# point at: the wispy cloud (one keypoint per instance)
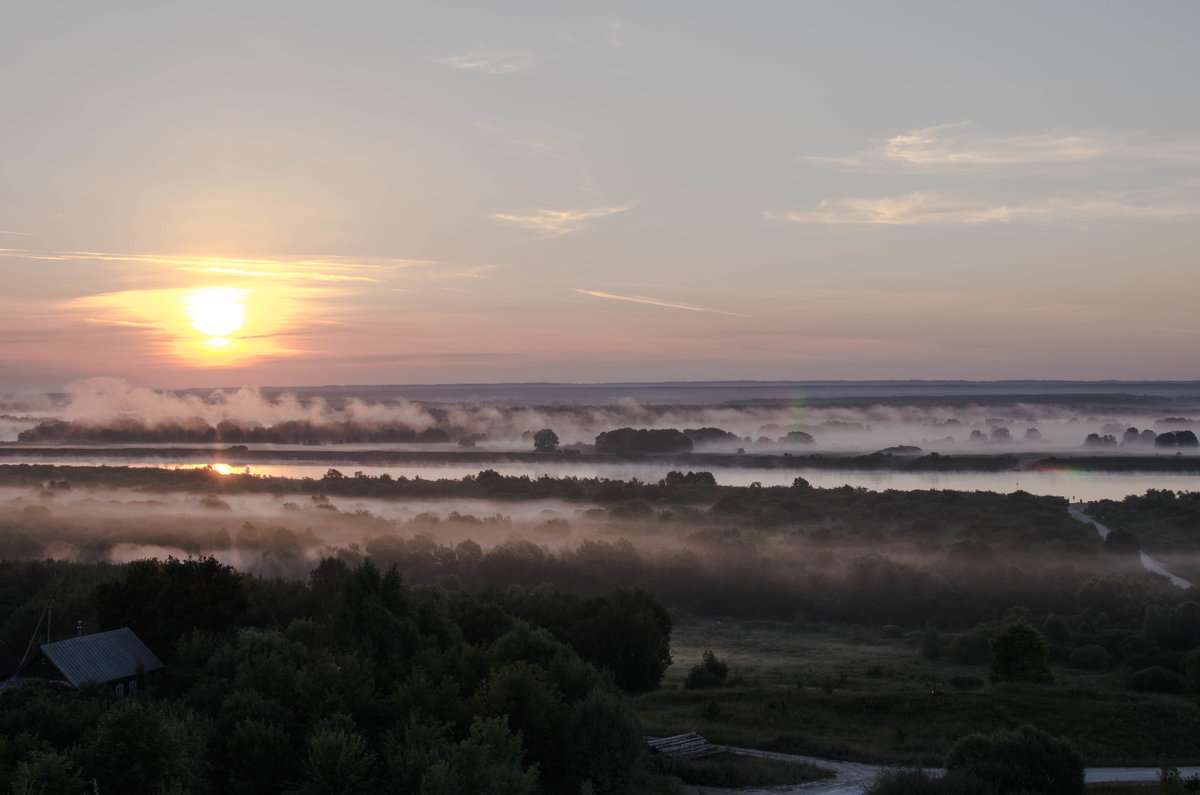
(448, 272)
(496, 62)
(934, 207)
(558, 222)
(114, 322)
(641, 299)
(12, 232)
(295, 275)
(950, 147)
(321, 269)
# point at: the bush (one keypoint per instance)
(972, 648)
(1191, 666)
(710, 673)
(1019, 655)
(1157, 680)
(1026, 759)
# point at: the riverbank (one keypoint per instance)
(339, 455)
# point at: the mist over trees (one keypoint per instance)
(545, 441)
(196, 430)
(634, 441)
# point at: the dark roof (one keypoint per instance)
(101, 658)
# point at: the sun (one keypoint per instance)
(216, 312)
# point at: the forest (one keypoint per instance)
(373, 627)
(349, 681)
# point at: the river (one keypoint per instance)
(1076, 486)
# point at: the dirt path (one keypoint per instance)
(853, 777)
(1148, 563)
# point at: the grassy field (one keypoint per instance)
(851, 694)
(731, 770)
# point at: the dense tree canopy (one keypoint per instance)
(1019, 655)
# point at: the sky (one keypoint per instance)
(286, 193)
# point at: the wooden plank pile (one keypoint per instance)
(683, 746)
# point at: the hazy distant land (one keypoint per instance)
(759, 422)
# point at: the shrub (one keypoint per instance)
(972, 647)
(1026, 759)
(1019, 655)
(709, 673)
(1157, 679)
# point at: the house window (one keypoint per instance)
(132, 687)
(119, 690)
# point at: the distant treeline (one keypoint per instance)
(487, 484)
(622, 441)
(197, 430)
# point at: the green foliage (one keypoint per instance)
(1157, 679)
(47, 772)
(1191, 669)
(134, 749)
(606, 741)
(1170, 781)
(918, 782)
(1091, 657)
(535, 708)
(634, 441)
(1121, 542)
(338, 762)
(163, 602)
(259, 757)
(1019, 655)
(627, 632)
(321, 705)
(422, 757)
(711, 672)
(1055, 629)
(545, 441)
(973, 647)
(1025, 759)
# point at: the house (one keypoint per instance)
(113, 660)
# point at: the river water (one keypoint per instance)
(1077, 486)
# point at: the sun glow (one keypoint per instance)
(216, 311)
(211, 325)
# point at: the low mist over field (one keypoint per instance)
(1035, 416)
(771, 550)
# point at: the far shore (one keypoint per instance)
(880, 461)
